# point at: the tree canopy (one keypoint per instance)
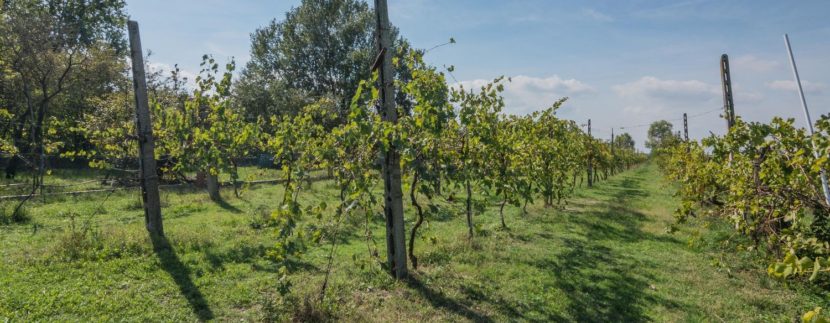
(660, 135)
(322, 48)
(624, 141)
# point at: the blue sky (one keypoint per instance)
(622, 63)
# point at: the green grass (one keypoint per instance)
(72, 180)
(606, 256)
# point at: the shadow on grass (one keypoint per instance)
(255, 256)
(601, 283)
(239, 254)
(439, 300)
(181, 275)
(227, 206)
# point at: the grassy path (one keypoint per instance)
(606, 256)
(615, 261)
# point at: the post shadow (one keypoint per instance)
(227, 206)
(439, 300)
(181, 275)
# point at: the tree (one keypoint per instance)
(625, 152)
(322, 48)
(624, 142)
(209, 133)
(50, 47)
(660, 135)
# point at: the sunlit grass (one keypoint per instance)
(605, 256)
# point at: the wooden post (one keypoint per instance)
(613, 157)
(393, 194)
(590, 154)
(144, 126)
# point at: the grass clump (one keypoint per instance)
(86, 242)
(8, 214)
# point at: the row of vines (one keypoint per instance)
(66, 94)
(765, 179)
(450, 138)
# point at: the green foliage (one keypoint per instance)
(6, 145)
(208, 133)
(56, 55)
(764, 178)
(660, 135)
(321, 49)
(426, 137)
(557, 150)
(815, 316)
(792, 265)
(624, 141)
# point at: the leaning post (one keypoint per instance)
(148, 177)
(822, 173)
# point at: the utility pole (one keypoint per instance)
(685, 128)
(393, 194)
(728, 104)
(590, 155)
(144, 126)
(822, 172)
(726, 81)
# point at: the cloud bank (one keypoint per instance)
(524, 94)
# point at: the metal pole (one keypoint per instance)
(823, 174)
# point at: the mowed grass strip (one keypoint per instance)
(605, 256)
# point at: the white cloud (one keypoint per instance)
(652, 87)
(525, 94)
(746, 94)
(638, 103)
(596, 15)
(755, 64)
(165, 70)
(787, 85)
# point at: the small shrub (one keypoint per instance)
(86, 242)
(260, 218)
(272, 309)
(309, 310)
